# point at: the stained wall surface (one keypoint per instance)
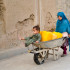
(17, 17)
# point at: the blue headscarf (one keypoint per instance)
(61, 14)
(62, 25)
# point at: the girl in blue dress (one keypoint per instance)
(62, 26)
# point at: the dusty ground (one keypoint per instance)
(25, 62)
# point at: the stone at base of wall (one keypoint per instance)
(12, 52)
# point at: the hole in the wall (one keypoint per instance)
(25, 21)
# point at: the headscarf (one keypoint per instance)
(62, 25)
(61, 14)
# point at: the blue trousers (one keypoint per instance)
(69, 43)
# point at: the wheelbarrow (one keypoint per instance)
(41, 50)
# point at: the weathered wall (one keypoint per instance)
(64, 6)
(68, 9)
(17, 11)
(2, 22)
(48, 14)
(17, 17)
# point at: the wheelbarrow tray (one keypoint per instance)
(51, 43)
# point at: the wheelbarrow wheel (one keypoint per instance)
(38, 59)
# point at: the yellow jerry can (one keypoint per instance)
(46, 36)
(54, 36)
(57, 35)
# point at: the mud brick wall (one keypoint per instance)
(2, 22)
(17, 17)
